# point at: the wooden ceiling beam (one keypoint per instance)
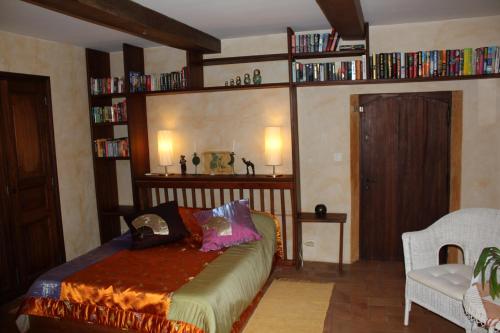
(346, 16)
(132, 18)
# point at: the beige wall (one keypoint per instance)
(65, 64)
(213, 120)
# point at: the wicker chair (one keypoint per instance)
(440, 288)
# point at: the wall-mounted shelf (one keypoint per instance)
(384, 81)
(245, 59)
(335, 54)
(118, 158)
(115, 123)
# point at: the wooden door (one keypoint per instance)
(34, 222)
(405, 162)
(7, 266)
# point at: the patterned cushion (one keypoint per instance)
(187, 215)
(157, 225)
(227, 225)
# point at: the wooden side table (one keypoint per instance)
(339, 218)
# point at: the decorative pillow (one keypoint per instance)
(227, 225)
(157, 225)
(187, 215)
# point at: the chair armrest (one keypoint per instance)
(421, 249)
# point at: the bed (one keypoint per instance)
(170, 288)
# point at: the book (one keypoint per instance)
(329, 71)
(109, 85)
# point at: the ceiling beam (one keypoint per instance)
(346, 16)
(132, 18)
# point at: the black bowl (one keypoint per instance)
(320, 210)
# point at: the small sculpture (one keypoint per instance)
(249, 164)
(231, 161)
(226, 83)
(183, 165)
(196, 160)
(257, 78)
(231, 83)
(246, 79)
(238, 81)
(320, 210)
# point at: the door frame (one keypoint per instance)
(52, 148)
(455, 166)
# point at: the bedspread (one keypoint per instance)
(173, 288)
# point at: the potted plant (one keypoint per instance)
(489, 262)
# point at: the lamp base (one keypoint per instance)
(166, 171)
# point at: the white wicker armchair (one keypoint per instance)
(440, 288)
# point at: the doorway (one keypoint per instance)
(401, 156)
(30, 224)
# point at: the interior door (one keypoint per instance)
(7, 267)
(33, 202)
(405, 157)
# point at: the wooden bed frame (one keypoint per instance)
(265, 193)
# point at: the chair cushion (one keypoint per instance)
(450, 279)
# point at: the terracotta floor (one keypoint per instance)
(368, 298)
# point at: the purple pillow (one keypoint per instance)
(227, 225)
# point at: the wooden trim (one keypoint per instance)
(135, 19)
(355, 175)
(194, 61)
(245, 59)
(384, 81)
(456, 164)
(346, 16)
(456, 149)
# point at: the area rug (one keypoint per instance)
(291, 306)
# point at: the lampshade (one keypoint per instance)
(273, 146)
(165, 147)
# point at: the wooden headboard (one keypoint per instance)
(265, 193)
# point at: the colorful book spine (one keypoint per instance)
(435, 63)
(111, 147)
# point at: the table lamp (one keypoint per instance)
(273, 147)
(165, 149)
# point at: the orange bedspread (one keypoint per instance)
(130, 289)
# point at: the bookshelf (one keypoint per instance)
(105, 175)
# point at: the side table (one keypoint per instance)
(340, 218)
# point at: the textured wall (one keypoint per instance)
(65, 64)
(214, 119)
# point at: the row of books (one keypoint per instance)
(399, 65)
(110, 114)
(111, 147)
(108, 85)
(158, 82)
(330, 71)
(315, 42)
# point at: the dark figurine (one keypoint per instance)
(183, 165)
(320, 210)
(257, 78)
(231, 161)
(196, 160)
(246, 79)
(249, 164)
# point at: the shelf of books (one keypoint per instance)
(303, 46)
